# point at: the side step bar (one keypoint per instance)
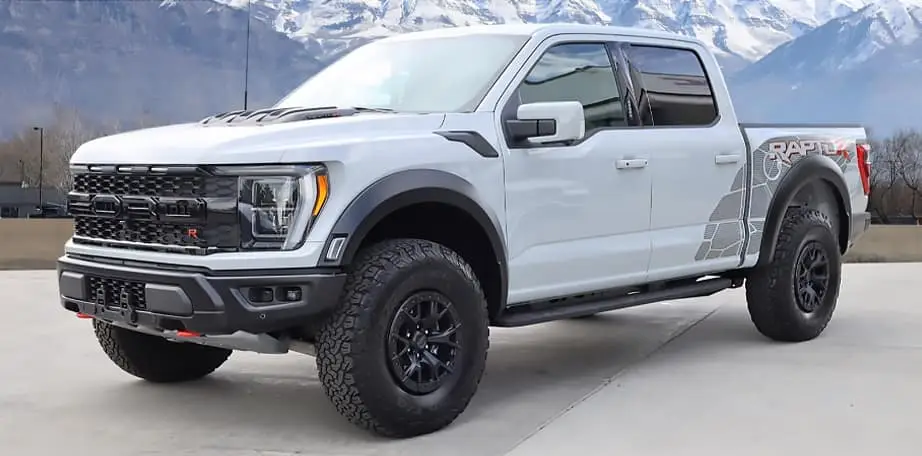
(602, 302)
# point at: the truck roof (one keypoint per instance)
(541, 31)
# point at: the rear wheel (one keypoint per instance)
(792, 299)
(404, 353)
(156, 359)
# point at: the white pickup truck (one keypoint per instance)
(428, 186)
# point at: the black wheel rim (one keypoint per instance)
(811, 277)
(424, 342)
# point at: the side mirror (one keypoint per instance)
(548, 122)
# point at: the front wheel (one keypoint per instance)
(405, 351)
(792, 299)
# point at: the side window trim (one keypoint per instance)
(512, 103)
(637, 85)
(629, 97)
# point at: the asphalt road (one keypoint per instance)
(684, 378)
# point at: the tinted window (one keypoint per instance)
(577, 72)
(673, 87)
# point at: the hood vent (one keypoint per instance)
(274, 116)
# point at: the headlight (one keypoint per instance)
(278, 204)
(273, 202)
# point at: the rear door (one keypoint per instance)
(697, 158)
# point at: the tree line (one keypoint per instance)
(896, 161)
(896, 177)
(43, 152)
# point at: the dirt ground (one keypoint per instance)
(32, 243)
(36, 244)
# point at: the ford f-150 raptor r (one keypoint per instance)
(428, 186)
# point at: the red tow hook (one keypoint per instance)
(83, 316)
(184, 333)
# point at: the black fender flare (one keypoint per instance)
(804, 172)
(403, 189)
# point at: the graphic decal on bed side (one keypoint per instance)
(724, 235)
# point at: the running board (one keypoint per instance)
(593, 303)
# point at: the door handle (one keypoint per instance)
(631, 164)
(723, 159)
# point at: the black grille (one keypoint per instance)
(183, 209)
(141, 231)
(143, 185)
(116, 293)
(183, 186)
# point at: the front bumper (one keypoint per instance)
(200, 301)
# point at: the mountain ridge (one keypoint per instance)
(738, 31)
(180, 60)
(871, 76)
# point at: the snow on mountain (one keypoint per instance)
(738, 31)
(863, 67)
(849, 42)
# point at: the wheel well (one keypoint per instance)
(452, 227)
(823, 196)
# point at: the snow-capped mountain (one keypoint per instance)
(739, 31)
(176, 60)
(863, 67)
(850, 42)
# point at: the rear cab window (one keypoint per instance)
(672, 86)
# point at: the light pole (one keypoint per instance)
(246, 63)
(41, 164)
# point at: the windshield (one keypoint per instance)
(444, 74)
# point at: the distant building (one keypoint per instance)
(19, 202)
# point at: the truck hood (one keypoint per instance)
(217, 141)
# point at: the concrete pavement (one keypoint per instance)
(684, 378)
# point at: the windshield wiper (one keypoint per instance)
(370, 109)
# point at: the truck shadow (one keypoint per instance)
(533, 374)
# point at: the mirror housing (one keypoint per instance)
(548, 122)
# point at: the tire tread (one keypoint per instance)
(770, 306)
(156, 359)
(336, 350)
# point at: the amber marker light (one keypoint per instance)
(323, 191)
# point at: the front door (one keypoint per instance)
(578, 215)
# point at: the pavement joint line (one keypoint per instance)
(627, 369)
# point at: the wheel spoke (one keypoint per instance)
(413, 318)
(435, 362)
(444, 337)
(811, 277)
(818, 262)
(432, 319)
(424, 342)
(419, 373)
(400, 338)
(397, 356)
(414, 366)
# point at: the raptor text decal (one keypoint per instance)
(787, 150)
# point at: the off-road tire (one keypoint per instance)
(156, 359)
(352, 345)
(771, 289)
